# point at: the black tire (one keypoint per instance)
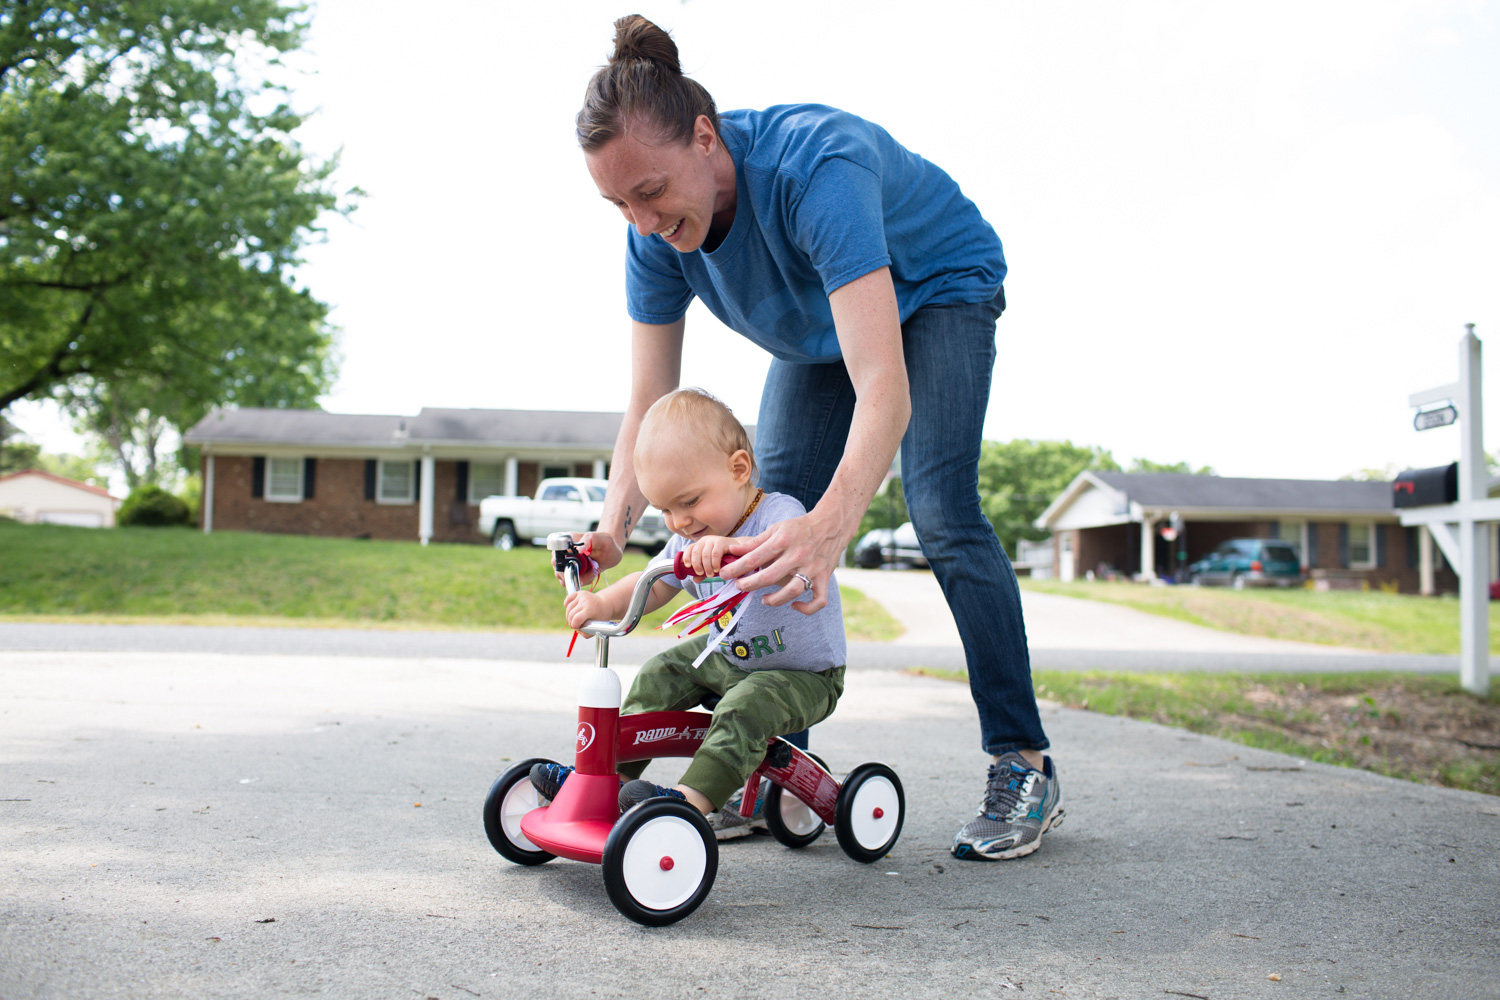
(504, 537)
(650, 843)
(863, 818)
(868, 559)
(788, 819)
(510, 798)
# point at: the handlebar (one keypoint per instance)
(566, 559)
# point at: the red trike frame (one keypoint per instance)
(579, 820)
(660, 857)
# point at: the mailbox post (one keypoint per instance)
(1459, 526)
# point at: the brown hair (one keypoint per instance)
(642, 80)
(704, 417)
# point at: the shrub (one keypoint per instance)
(153, 507)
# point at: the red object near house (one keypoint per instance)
(1495, 590)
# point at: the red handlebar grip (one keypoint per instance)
(682, 571)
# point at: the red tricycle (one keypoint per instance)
(660, 857)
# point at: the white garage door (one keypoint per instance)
(76, 518)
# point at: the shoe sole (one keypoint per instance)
(967, 852)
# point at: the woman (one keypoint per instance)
(875, 284)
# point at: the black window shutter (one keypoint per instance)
(416, 477)
(462, 492)
(309, 477)
(1312, 545)
(258, 477)
(372, 469)
(1344, 546)
(1380, 546)
(1412, 552)
(1275, 530)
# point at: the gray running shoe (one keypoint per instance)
(1020, 804)
(728, 824)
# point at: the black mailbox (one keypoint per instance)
(1424, 487)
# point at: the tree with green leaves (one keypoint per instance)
(153, 206)
(1018, 479)
(18, 454)
(1177, 468)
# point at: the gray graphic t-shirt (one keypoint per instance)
(767, 638)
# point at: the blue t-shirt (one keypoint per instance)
(824, 197)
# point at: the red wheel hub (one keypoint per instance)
(667, 863)
(879, 812)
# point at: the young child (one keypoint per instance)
(776, 671)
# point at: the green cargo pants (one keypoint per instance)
(754, 706)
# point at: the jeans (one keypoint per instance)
(805, 412)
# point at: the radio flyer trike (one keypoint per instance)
(660, 857)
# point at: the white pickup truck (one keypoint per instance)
(560, 505)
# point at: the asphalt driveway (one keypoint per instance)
(211, 825)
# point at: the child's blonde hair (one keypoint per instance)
(702, 414)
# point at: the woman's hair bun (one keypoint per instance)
(642, 87)
(638, 38)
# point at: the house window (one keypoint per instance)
(485, 480)
(284, 480)
(397, 480)
(1291, 531)
(556, 471)
(1361, 545)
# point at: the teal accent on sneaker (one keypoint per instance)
(1020, 804)
(728, 824)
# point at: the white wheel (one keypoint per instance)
(797, 817)
(511, 797)
(660, 862)
(869, 812)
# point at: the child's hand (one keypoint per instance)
(582, 607)
(706, 555)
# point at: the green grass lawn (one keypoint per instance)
(1387, 623)
(168, 575)
(1421, 728)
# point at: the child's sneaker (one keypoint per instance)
(633, 793)
(727, 823)
(548, 779)
(1020, 804)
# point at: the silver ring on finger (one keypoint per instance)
(806, 583)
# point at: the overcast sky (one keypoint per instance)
(1239, 235)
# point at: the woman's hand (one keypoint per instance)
(805, 545)
(582, 607)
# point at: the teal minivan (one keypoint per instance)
(1249, 562)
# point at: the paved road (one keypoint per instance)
(1063, 634)
(209, 825)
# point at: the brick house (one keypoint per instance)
(1347, 533)
(308, 472)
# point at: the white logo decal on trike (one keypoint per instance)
(669, 733)
(585, 736)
